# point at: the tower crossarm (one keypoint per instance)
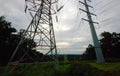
(89, 21)
(85, 4)
(87, 12)
(99, 55)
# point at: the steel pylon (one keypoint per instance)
(40, 29)
(98, 50)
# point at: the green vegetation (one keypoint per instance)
(107, 66)
(10, 38)
(81, 68)
(110, 45)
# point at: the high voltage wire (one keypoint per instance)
(104, 8)
(98, 3)
(89, 19)
(107, 7)
(101, 7)
(76, 15)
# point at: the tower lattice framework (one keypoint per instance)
(41, 28)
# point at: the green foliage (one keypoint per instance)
(89, 54)
(111, 66)
(65, 59)
(81, 69)
(42, 69)
(109, 69)
(110, 44)
(63, 68)
(9, 41)
(76, 68)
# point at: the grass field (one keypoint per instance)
(74, 68)
(111, 66)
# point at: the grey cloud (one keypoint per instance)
(108, 15)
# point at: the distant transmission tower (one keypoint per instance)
(40, 28)
(98, 50)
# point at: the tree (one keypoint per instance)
(5, 34)
(28, 47)
(110, 44)
(9, 41)
(89, 54)
(106, 42)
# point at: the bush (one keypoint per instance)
(78, 69)
(82, 69)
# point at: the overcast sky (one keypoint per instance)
(72, 34)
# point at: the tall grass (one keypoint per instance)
(75, 68)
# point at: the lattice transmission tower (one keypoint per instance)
(40, 29)
(98, 51)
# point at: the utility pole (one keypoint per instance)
(99, 55)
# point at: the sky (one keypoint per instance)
(72, 33)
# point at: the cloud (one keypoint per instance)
(72, 34)
(62, 44)
(108, 12)
(79, 39)
(13, 10)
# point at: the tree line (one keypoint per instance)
(9, 39)
(110, 45)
